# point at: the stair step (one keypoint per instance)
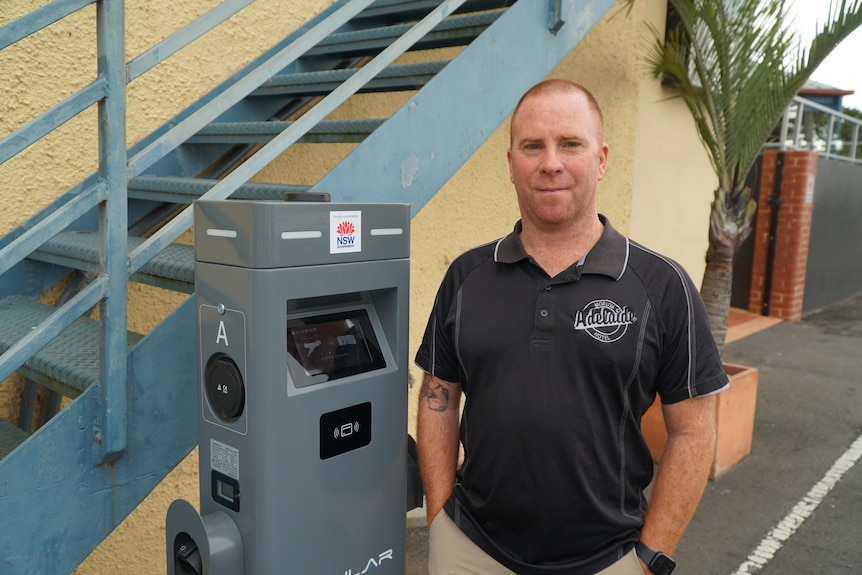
(70, 362)
(179, 190)
(326, 132)
(395, 78)
(411, 9)
(454, 31)
(173, 268)
(11, 436)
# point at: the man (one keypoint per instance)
(559, 336)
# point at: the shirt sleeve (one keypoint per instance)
(690, 364)
(437, 354)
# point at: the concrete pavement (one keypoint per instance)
(793, 507)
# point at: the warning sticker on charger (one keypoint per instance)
(224, 458)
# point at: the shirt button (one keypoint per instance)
(543, 313)
(547, 288)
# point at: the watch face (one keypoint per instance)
(661, 564)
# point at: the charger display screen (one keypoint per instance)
(332, 346)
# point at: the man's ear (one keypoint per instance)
(603, 160)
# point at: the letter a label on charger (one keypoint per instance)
(221, 330)
(222, 334)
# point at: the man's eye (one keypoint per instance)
(571, 144)
(532, 147)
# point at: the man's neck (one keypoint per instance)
(557, 249)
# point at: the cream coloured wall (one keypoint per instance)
(477, 205)
(674, 180)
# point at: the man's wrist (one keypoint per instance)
(657, 562)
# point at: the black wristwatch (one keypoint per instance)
(658, 562)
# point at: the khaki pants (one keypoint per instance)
(452, 553)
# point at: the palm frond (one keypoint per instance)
(737, 66)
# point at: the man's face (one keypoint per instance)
(556, 159)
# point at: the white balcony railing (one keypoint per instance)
(807, 125)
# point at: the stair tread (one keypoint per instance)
(456, 30)
(415, 8)
(72, 358)
(273, 128)
(185, 190)
(11, 436)
(175, 262)
(398, 77)
(450, 25)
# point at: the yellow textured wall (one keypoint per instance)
(648, 140)
(674, 180)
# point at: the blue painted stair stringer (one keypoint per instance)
(411, 156)
(58, 505)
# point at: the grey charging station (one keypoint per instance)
(302, 318)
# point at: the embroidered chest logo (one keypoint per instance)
(604, 320)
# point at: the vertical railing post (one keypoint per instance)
(830, 136)
(785, 126)
(113, 225)
(797, 129)
(556, 20)
(854, 143)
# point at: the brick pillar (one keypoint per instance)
(792, 235)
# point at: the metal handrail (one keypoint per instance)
(47, 122)
(39, 19)
(110, 191)
(32, 239)
(793, 136)
(51, 327)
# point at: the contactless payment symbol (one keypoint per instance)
(604, 320)
(345, 232)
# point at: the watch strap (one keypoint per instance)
(645, 553)
(657, 562)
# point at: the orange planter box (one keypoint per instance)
(734, 415)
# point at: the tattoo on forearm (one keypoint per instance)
(437, 397)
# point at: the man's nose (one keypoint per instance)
(551, 160)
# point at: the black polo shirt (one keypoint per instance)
(556, 374)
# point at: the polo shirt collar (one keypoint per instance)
(608, 257)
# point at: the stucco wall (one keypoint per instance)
(477, 205)
(673, 178)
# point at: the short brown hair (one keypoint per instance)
(560, 86)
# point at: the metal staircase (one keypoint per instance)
(64, 488)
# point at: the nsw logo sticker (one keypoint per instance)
(345, 232)
(604, 320)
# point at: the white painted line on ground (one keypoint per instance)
(785, 529)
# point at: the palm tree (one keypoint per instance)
(737, 66)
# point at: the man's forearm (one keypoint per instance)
(437, 440)
(682, 474)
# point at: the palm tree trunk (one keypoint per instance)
(716, 291)
(716, 288)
